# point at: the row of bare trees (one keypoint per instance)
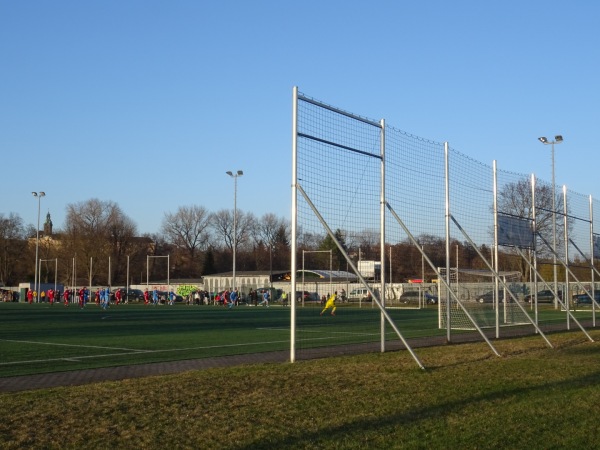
(99, 241)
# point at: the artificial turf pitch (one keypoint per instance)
(40, 338)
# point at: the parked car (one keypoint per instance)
(545, 296)
(415, 296)
(488, 297)
(128, 295)
(307, 296)
(431, 299)
(584, 299)
(359, 295)
(410, 297)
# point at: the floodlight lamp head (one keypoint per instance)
(240, 173)
(229, 173)
(543, 140)
(34, 194)
(42, 194)
(558, 138)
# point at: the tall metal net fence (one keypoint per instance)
(392, 215)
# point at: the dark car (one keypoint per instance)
(414, 296)
(128, 295)
(410, 297)
(584, 299)
(431, 299)
(307, 296)
(488, 297)
(545, 296)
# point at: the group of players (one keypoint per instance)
(54, 296)
(156, 297)
(103, 298)
(231, 298)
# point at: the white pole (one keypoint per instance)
(294, 224)
(39, 288)
(234, 226)
(566, 295)
(127, 288)
(235, 176)
(382, 206)
(447, 215)
(73, 274)
(39, 196)
(554, 249)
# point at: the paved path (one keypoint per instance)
(79, 377)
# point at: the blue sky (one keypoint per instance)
(149, 103)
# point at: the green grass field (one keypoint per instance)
(40, 338)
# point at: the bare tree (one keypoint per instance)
(12, 247)
(273, 233)
(187, 229)
(222, 224)
(515, 199)
(98, 229)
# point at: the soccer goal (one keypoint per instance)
(156, 270)
(487, 304)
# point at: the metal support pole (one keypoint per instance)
(235, 176)
(557, 140)
(39, 196)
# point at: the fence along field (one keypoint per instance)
(365, 187)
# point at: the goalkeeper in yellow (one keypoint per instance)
(330, 304)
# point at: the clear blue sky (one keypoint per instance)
(148, 103)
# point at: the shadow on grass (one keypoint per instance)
(369, 428)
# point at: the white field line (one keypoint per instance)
(304, 330)
(127, 352)
(131, 351)
(58, 344)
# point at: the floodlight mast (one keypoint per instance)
(558, 139)
(39, 196)
(235, 176)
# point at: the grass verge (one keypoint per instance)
(532, 397)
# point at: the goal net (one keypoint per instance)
(476, 290)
